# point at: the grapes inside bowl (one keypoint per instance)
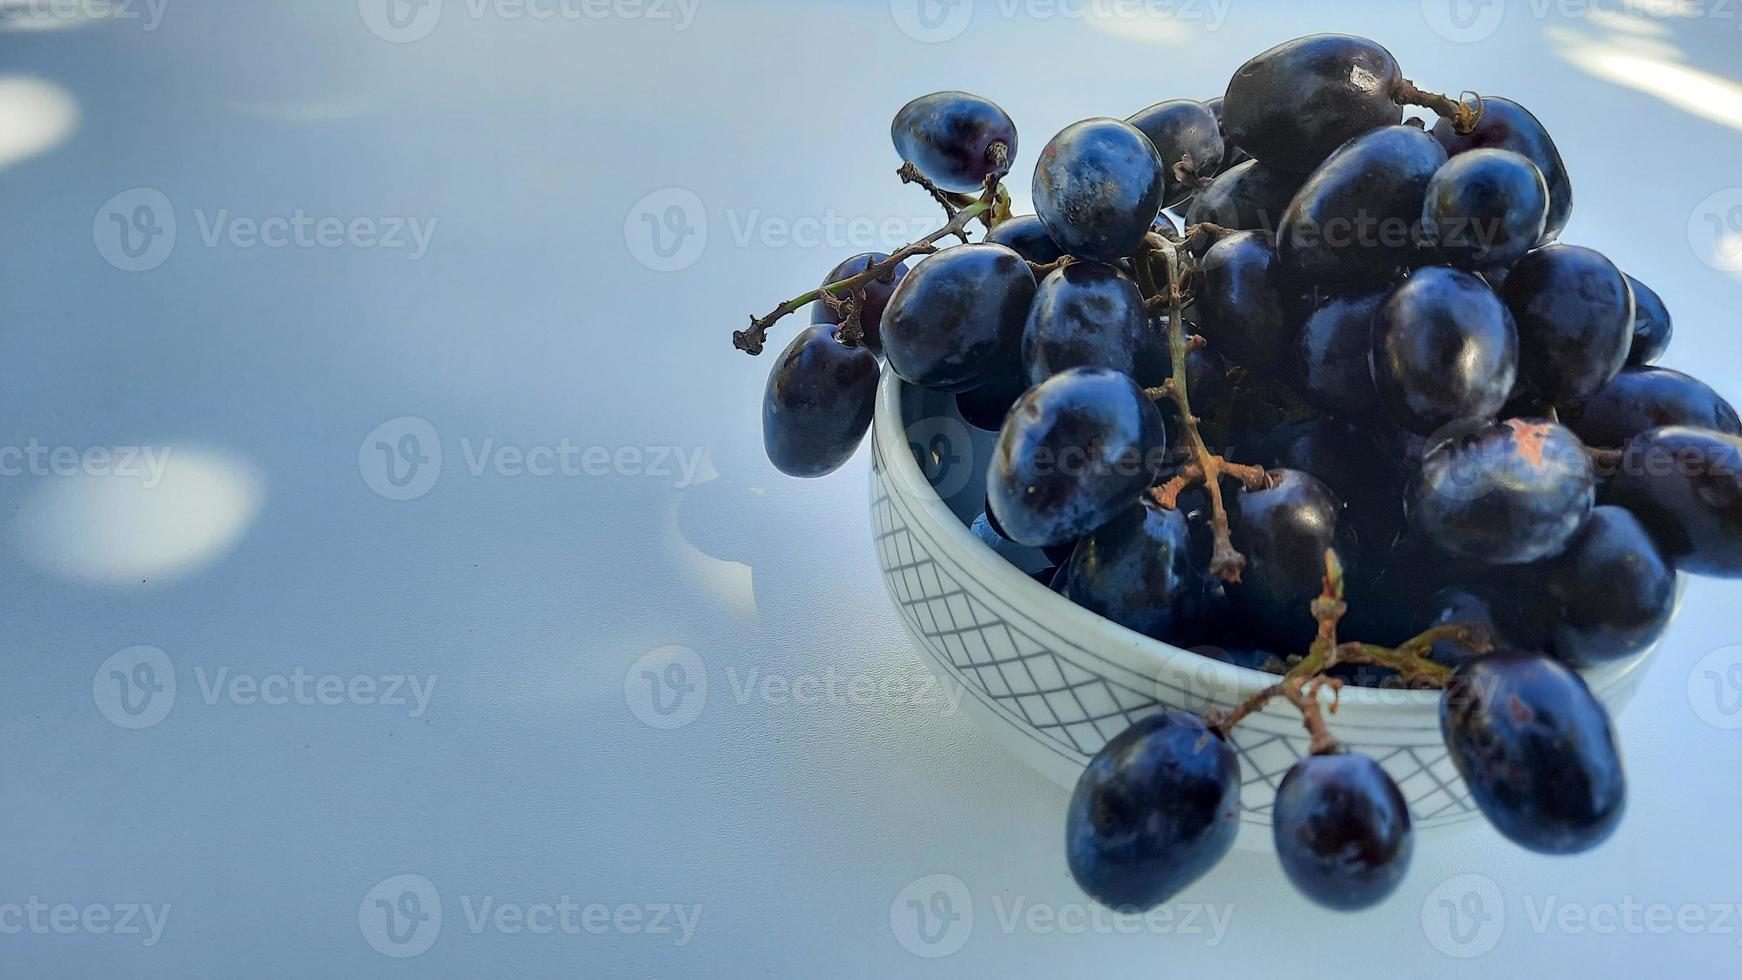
(1052, 682)
(1347, 513)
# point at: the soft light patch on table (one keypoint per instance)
(34, 116)
(152, 524)
(1137, 25)
(1702, 93)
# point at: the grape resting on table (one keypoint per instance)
(1362, 396)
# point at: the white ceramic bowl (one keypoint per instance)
(1052, 682)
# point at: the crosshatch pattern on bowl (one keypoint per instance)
(1072, 702)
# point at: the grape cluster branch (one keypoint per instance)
(1226, 562)
(1464, 114)
(752, 341)
(1300, 686)
(991, 206)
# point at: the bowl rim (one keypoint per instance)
(1131, 650)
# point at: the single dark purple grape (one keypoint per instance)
(1342, 831)
(993, 525)
(818, 403)
(1614, 589)
(1444, 348)
(958, 316)
(1486, 208)
(1242, 304)
(1232, 156)
(987, 406)
(1284, 532)
(1084, 315)
(949, 136)
(1642, 398)
(1652, 326)
(1574, 311)
(1394, 585)
(1137, 571)
(1293, 105)
(1358, 218)
(1206, 380)
(1503, 493)
(1074, 453)
(1537, 752)
(1470, 607)
(1156, 808)
(1345, 458)
(877, 293)
(1027, 236)
(1028, 560)
(1098, 187)
(1206, 372)
(1182, 129)
(1246, 197)
(1685, 486)
(1506, 125)
(1335, 344)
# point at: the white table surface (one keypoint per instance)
(537, 318)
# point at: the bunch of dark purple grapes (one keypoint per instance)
(1283, 364)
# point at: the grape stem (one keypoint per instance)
(1167, 495)
(1043, 269)
(752, 341)
(951, 203)
(1204, 234)
(991, 207)
(1226, 563)
(1302, 683)
(1462, 114)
